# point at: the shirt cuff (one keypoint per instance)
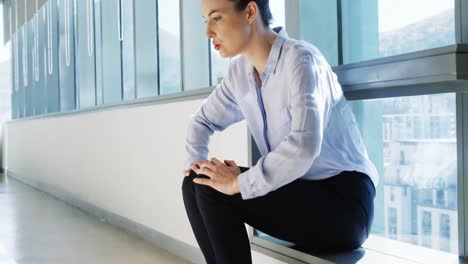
(246, 184)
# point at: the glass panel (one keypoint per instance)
(128, 51)
(20, 80)
(169, 46)
(220, 65)
(29, 69)
(66, 55)
(52, 80)
(195, 47)
(379, 28)
(85, 63)
(98, 51)
(278, 12)
(111, 50)
(14, 90)
(319, 26)
(146, 48)
(412, 142)
(6, 60)
(39, 60)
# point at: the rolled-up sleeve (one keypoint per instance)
(216, 113)
(310, 106)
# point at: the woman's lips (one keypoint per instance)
(217, 46)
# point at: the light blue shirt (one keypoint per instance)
(299, 118)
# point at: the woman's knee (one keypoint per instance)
(188, 184)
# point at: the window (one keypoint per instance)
(66, 64)
(373, 29)
(6, 55)
(392, 223)
(85, 50)
(52, 66)
(416, 161)
(146, 49)
(111, 51)
(196, 69)
(169, 46)
(319, 26)
(445, 232)
(426, 229)
(380, 28)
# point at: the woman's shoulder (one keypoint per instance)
(298, 50)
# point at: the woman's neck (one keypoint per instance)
(259, 47)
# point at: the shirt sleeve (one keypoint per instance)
(216, 113)
(293, 157)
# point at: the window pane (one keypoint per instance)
(29, 69)
(66, 55)
(98, 51)
(20, 80)
(195, 47)
(128, 50)
(278, 12)
(85, 64)
(52, 80)
(111, 50)
(412, 142)
(379, 28)
(146, 47)
(14, 92)
(319, 26)
(7, 93)
(40, 57)
(169, 45)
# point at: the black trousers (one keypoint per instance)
(333, 214)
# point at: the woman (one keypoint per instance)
(314, 184)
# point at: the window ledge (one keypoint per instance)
(438, 70)
(375, 250)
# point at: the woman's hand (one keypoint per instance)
(194, 166)
(222, 178)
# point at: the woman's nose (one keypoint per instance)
(208, 32)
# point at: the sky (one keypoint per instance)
(394, 14)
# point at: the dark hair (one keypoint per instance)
(263, 8)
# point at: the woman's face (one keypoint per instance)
(227, 28)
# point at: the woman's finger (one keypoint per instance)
(209, 165)
(206, 171)
(216, 161)
(202, 181)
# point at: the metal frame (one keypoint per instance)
(154, 100)
(462, 166)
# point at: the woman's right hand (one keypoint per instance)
(194, 166)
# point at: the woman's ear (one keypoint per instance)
(252, 10)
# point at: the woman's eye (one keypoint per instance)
(216, 18)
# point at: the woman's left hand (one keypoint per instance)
(222, 178)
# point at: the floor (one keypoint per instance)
(38, 228)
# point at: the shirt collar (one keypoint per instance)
(275, 51)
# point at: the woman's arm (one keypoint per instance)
(217, 112)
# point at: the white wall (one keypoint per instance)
(127, 161)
